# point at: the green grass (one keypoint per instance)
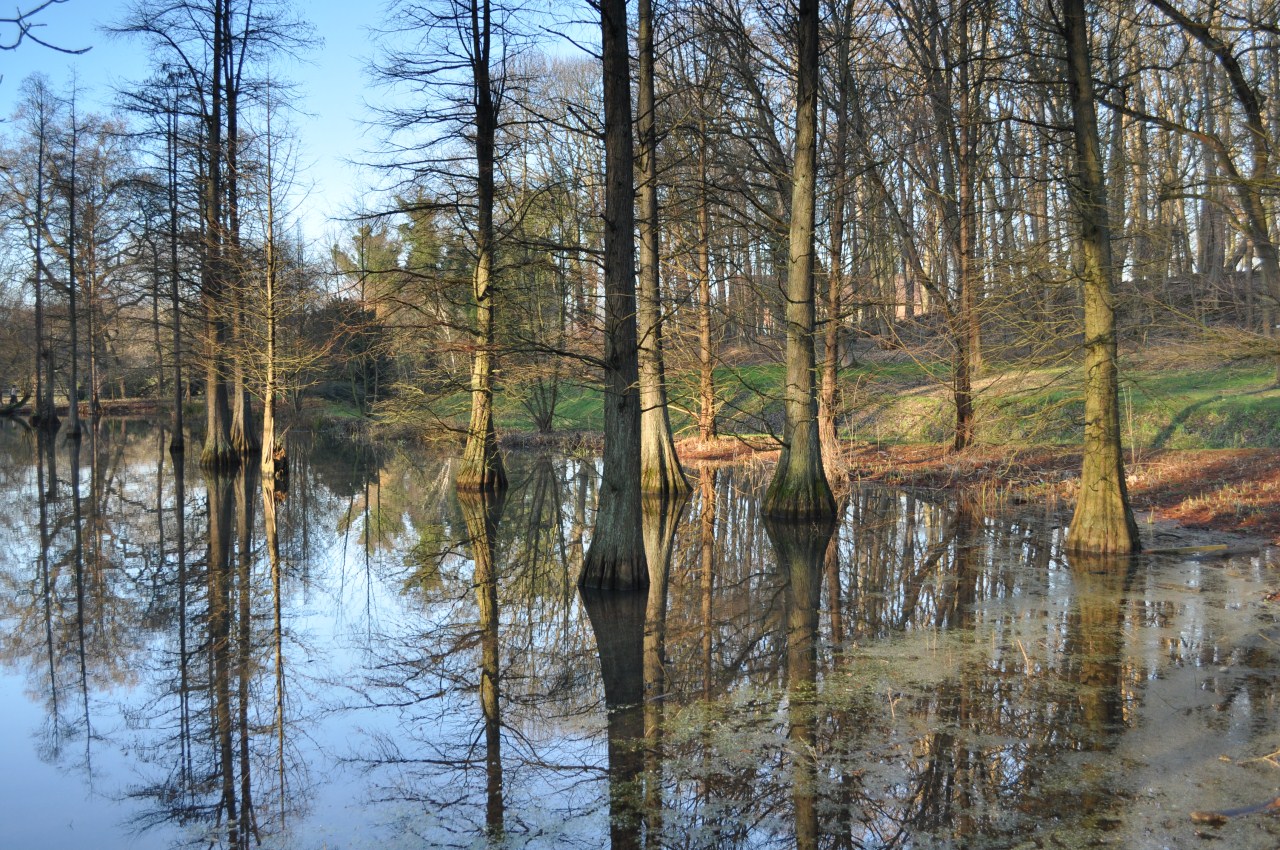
(905, 401)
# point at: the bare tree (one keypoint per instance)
(1103, 521)
(799, 489)
(616, 558)
(659, 466)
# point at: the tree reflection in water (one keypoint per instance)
(372, 659)
(800, 551)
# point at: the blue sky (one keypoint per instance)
(333, 86)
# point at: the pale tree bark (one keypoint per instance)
(241, 430)
(270, 280)
(73, 285)
(827, 394)
(482, 467)
(660, 471)
(616, 558)
(799, 488)
(706, 354)
(177, 443)
(1103, 521)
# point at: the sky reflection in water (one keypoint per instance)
(415, 670)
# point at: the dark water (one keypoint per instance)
(366, 661)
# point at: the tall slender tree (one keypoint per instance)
(1103, 520)
(799, 489)
(616, 559)
(659, 465)
(460, 52)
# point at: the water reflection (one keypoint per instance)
(800, 552)
(369, 659)
(482, 512)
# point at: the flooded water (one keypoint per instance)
(363, 661)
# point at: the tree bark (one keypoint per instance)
(1103, 521)
(660, 471)
(218, 452)
(482, 468)
(706, 356)
(799, 488)
(73, 390)
(616, 558)
(177, 442)
(45, 417)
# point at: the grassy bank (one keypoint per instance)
(1167, 402)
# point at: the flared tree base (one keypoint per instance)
(1110, 533)
(219, 456)
(660, 472)
(616, 559)
(795, 497)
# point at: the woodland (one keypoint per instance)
(696, 218)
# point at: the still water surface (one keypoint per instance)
(366, 661)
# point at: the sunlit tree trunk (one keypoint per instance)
(177, 441)
(827, 394)
(482, 467)
(706, 355)
(616, 559)
(799, 487)
(660, 471)
(1103, 521)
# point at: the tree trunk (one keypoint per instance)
(967, 332)
(827, 431)
(73, 390)
(46, 416)
(268, 455)
(616, 558)
(178, 441)
(482, 467)
(706, 356)
(799, 487)
(218, 452)
(1103, 521)
(660, 471)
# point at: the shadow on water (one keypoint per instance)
(371, 658)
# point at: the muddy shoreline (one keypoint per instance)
(1182, 498)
